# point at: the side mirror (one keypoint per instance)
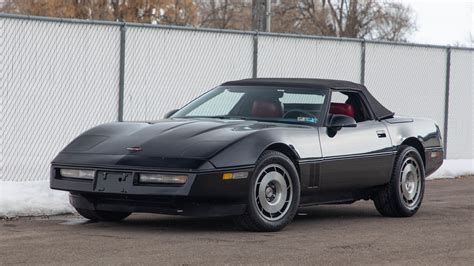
(339, 121)
(170, 113)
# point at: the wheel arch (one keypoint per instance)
(286, 150)
(415, 143)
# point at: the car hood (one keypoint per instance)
(170, 138)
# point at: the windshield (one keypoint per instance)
(279, 104)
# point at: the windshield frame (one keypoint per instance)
(202, 98)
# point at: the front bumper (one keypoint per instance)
(204, 194)
(162, 205)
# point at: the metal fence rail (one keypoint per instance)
(59, 77)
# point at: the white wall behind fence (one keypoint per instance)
(308, 58)
(57, 81)
(461, 103)
(165, 69)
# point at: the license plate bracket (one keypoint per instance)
(113, 182)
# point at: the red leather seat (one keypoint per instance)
(342, 109)
(267, 108)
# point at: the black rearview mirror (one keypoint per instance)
(339, 121)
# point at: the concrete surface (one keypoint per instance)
(441, 233)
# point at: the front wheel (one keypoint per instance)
(403, 195)
(274, 194)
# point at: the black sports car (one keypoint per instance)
(256, 149)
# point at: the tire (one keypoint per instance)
(403, 195)
(103, 216)
(273, 196)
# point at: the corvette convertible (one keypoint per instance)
(257, 150)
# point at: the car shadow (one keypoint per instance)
(178, 223)
(328, 213)
(306, 216)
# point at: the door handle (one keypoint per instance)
(381, 134)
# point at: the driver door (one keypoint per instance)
(355, 157)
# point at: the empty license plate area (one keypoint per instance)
(113, 182)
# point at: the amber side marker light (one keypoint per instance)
(236, 175)
(436, 154)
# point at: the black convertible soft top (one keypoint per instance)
(379, 110)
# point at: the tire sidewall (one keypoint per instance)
(407, 152)
(273, 157)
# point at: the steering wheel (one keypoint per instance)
(300, 111)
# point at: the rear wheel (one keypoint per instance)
(403, 195)
(103, 216)
(274, 194)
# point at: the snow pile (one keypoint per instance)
(454, 168)
(33, 198)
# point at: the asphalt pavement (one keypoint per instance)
(441, 233)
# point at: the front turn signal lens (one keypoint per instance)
(163, 179)
(77, 173)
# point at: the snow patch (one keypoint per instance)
(32, 198)
(454, 168)
(35, 198)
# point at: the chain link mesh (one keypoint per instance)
(461, 103)
(166, 68)
(410, 81)
(58, 80)
(308, 58)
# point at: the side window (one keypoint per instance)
(299, 103)
(338, 97)
(350, 104)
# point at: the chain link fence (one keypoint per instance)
(408, 80)
(60, 77)
(460, 137)
(305, 57)
(177, 65)
(57, 79)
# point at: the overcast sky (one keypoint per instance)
(443, 22)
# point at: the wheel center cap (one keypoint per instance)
(269, 192)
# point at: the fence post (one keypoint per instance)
(362, 62)
(446, 100)
(255, 55)
(2, 91)
(123, 31)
